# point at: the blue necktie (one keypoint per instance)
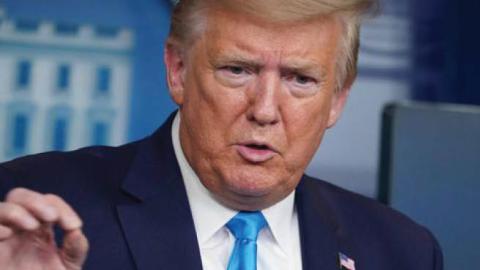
(245, 226)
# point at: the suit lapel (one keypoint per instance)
(319, 232)
(158, 226)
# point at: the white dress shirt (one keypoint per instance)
(278, 243)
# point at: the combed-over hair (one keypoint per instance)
(187, 23)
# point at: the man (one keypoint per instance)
(257, 83)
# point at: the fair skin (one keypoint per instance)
(255, 99)
(26, 234)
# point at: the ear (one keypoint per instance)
(338, 102)
(175, 66)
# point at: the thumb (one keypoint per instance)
(74, 249)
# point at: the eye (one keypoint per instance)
(301, 80)
(235, 69)
(302, 85)
(233, 75)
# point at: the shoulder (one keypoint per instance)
(373, 228)
(354, 207)
(51, 171)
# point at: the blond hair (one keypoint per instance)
(187, 23)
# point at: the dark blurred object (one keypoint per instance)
(430, 170)
(446, 51)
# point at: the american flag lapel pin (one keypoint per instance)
(345, 262)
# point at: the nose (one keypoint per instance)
(264, 101)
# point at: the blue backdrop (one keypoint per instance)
(446, 51)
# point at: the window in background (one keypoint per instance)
(100, 124)
(100, 133)
(104, 75)
(60, 134)
(19, 135)
(59, 128)
(24, 74)
(26, 26)
(63, 77)
(66, 29)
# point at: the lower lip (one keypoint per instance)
(255, 155)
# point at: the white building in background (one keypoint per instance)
(62, 86)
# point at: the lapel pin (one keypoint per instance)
(345, 262)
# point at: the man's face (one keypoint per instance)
(255, 99)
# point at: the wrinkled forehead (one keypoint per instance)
(247, 31)
(311, 47)
(214, 18)
(209, 17)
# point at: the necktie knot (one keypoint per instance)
(247, 225)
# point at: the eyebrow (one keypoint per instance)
(238, 58)
(294, 65)
(304, 67)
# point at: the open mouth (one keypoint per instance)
(256, 152)
(258, 146)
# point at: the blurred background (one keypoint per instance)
(80, 72)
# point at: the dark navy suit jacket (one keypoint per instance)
(136, 213)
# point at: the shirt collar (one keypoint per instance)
(209, 216)
(280, 218)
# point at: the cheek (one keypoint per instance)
(212, 114)
(207, 95)
(306, 121)
(305, 128)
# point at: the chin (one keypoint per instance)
(244, 185)
(253, 183)
(249, 190)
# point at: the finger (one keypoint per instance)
(5, 232)
(33, 202)
(67, 217)
(16, 217)
(74, 249)
(48, 208)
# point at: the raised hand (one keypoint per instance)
(26, 233)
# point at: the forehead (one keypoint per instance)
(229, 33)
